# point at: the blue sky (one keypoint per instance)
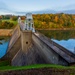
(36, 5)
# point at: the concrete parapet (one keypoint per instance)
(14, 37)
(45, 50)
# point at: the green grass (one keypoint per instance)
(4, 63)
(36, 66)
(8, 20)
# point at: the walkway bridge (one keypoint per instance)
(27, 47)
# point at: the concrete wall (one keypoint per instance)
(14, 37)
(46, 52)
(32, 56)
(17, 59)
(26, 40)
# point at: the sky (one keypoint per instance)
(36, 5)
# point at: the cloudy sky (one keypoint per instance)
(36, 5)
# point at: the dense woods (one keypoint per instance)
(8, 21)
(6, 25)
(49, 21)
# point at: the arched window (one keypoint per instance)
(29, 19)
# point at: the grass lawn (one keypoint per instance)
(36, 66)
(4, 63)
(8, 20)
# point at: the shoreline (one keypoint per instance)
(58, 29)
(6, 32)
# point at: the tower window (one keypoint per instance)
(29, 19)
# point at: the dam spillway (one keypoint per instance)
(29, 47)
(42, 50)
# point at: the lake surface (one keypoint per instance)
(3, 45)
(64, 38)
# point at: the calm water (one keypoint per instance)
(64, 38)
(3, 45)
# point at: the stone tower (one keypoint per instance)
(26, 32)
(29, 24)
(19, 20)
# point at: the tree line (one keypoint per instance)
(6, 25)
(49, 21)
(5, 21)
(9, 21)
(44, 21)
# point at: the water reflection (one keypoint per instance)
(3, 45)
(69, 44)
(64, 38)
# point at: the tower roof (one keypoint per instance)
(29, 16)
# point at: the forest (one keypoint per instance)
(6, 25)
(8, 21)
(43, 21)
(56, 21)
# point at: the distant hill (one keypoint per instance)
(20, 13)
(48, 12)
(37, 12)
(44, 11)
(69, 11)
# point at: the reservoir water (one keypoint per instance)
(64, 38)
(3, 45)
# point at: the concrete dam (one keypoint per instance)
(29, 47)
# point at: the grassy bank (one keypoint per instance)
(8, 20)
(36, 66)
(4, 63)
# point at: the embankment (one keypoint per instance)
(42, 71)
(6, 32)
